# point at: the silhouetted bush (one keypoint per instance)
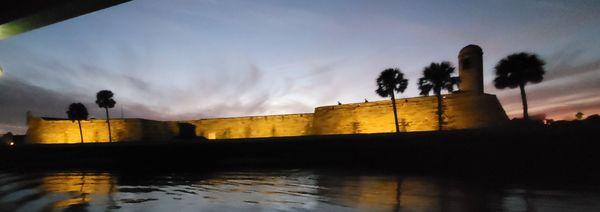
(593, 119)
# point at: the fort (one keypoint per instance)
(467, 108)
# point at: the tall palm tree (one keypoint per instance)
(389, 82)
(104, 99)
(436, 78)
(516, 70)
(78, 112)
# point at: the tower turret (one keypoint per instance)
(470, 69)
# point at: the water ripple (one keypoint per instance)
(278, 190)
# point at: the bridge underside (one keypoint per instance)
(19, 16)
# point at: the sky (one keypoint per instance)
(191, 59)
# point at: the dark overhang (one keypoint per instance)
(18, 16)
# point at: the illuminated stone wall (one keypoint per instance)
(65, 131)
(255, 126)
(462, 111)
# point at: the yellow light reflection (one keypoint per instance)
(78, 187)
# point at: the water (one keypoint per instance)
(288, 190)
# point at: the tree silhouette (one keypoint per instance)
(389, 82)
(78, 112)
(438, 77)
(104, 99)
(516, 70)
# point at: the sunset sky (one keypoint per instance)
(190, 59)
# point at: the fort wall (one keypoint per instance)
(65, 131)
(255, 126)
(461, 111)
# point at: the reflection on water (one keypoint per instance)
(280, 190)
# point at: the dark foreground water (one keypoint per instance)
(297, 190)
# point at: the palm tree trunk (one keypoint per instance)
(397, 206)
(80, 131)
(524, 100)
(439, 111)
(395, 113)
(108, 122)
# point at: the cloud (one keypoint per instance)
(18, 97)
(563, 64)
(237, 93)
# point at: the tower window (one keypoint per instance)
(466, 63)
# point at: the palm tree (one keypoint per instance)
(104, 99)
(389, 82)
(438, 77)
(516, 70)
(78, 112)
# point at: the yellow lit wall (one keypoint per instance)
(65, 131)
(462, 111)
(255, 126)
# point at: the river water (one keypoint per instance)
(288, 190)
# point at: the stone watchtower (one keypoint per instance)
(470, 69)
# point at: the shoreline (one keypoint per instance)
(560, 150)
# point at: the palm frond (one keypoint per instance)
(438, 77)
(391, 80)
(518, 69)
